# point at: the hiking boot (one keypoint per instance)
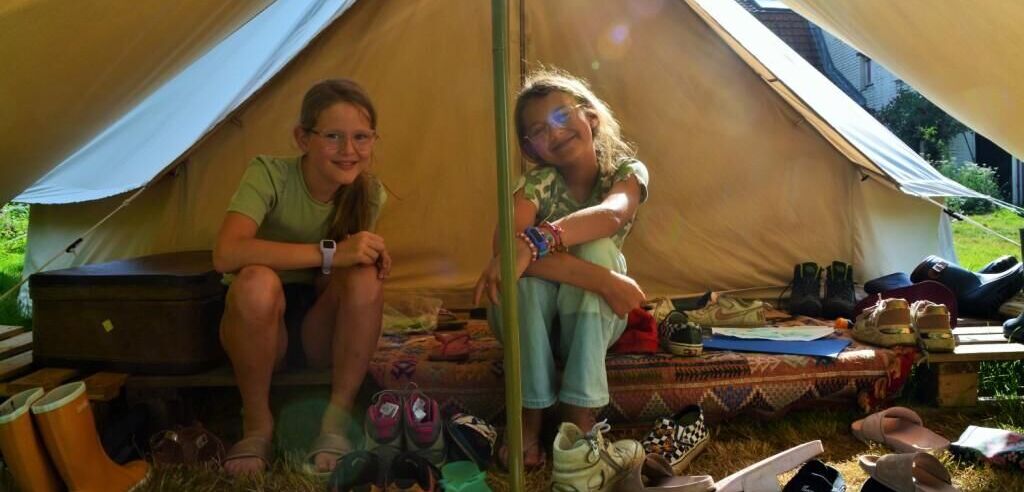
(886, 324)
(680, 336)
(806, 296)
(588, 462)
(383, 427)
(423, 427)
(839, 297)
(731, 312)
(931, 322)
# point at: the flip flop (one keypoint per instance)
(657, 473)
(900, 429)
(326, 442)
(542, 456)
(763, 475)
(454, 347)
(908, 472)
(251, 447)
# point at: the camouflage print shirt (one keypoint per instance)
(545, 187)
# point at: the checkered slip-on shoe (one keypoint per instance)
(679, 439)
(679, 336)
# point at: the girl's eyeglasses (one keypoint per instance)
(559, 117)
(334, 140)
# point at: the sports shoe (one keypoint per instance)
(423, 428)
(806, 296)
(410, 472)
(886, 324)
(729, 311)
(931, 322)
(358, 470)
(588, 462)
(383, 426)
(680, 336)
(679, 439)
(839, 296)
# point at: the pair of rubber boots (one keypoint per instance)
(806, 300)
(977, 294)
(40, 433)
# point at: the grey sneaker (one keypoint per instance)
(423, 428)
(588, 462)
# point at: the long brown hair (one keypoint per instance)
(352, 201)
(610, 146)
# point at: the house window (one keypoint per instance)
(865, 71)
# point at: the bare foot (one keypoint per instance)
(533, 455)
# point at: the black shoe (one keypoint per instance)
(806, 296)
(977, 294)
(815, 476)
(1001, 264)
(1013, 329)
(357, 470)
(839, 297)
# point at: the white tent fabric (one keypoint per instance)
(963, 55)
(74, 68)
(748, 175)
(162, 127)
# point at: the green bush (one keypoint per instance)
(976, 177)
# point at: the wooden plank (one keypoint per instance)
(10, 331)
(225, 377)
(47, 377)
(977, 330)
(105, 386)
(958, 384)
(15, 345)
(980, 338)
(982, 351)
(15, 366)
(967, 322)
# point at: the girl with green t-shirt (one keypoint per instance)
(305, 271)
(573, 211)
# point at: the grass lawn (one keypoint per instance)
(975, 247)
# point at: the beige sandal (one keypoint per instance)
(900, 429)
(251, 447)
(330, 443)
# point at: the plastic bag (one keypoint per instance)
(404, 314)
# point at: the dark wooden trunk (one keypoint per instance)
(155, 314)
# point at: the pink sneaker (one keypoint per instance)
(383, 426)
(423, 428)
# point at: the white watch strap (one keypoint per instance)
(328, 257)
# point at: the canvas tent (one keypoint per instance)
(757, 162)
(962, 54)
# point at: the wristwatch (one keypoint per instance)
(327, 247)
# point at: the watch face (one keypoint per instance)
(327, 244)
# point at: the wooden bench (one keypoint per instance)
(956, 373)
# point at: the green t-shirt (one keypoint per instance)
(546, 188)
(274, 194)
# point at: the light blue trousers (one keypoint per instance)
(587, 327)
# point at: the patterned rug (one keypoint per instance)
(644, 387)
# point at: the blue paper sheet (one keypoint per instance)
(829, 347)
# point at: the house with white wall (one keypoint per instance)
(873, 86)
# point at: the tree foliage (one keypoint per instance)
(920, 124)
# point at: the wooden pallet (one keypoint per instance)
(956, 373)
(18, 373)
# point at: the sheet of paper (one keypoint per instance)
(782, 333)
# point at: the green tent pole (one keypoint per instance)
(509, 313)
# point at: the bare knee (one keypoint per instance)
(359, 286)
(256, 291)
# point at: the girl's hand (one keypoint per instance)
(384, 265)
(490, 279)
(361, 248)
(622, 294)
